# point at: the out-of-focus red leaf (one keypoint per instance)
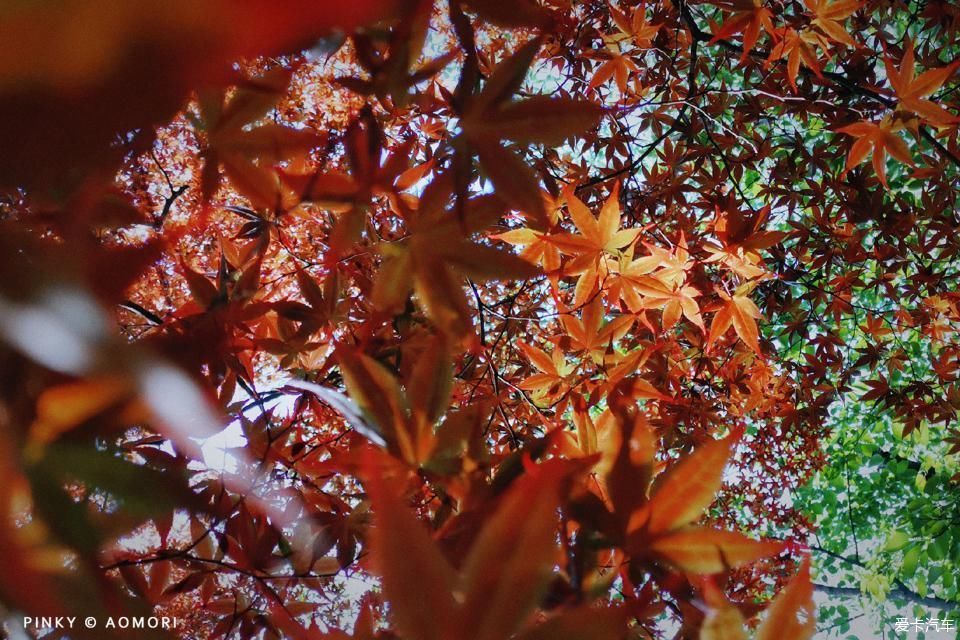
(512, 559)
(688, 487)
(791, 615)
(402, 548)
(711, 551)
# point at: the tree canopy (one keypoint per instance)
(480, 320)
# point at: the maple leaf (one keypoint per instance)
(599, 236)
(523, 13)
(552, 383)
(538, 119)
(417, 555)
(913, 90)
(791, 614)
(828, 16)
(438, 253)
(657, 281)
(242, 152)
(319, 310)
(618, 66)
(66, 406)
(789, 617)
(321, 302)
(687, 488)
(662, 525)
(585, 333)
(491, 117)
(500, 581)
(230, 293)
(705, 551)
(749, 16)
(629, 270)
(134, 66)
(796, 47)
(636, 27)
(583, 442)
(372, 172)
(742, 237)
(642, 31)
(739, 311)
(674, 301)
(404, 417)
(881, 139)
(603, 435)
(628, 365)
(736, 228)
(537, 247)
(391, 76)
(723, 620)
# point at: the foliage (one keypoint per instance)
(475, 319)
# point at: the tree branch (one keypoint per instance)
(900, 590)
(900, 593)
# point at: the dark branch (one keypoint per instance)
(898, 593)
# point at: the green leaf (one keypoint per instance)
(896, 540)
(910, 559)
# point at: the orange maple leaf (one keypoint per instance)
(674, 301)
(796, 47)
(749, 16)
(739, 311)
(742, 237)
(537, 248)
(687, 488)
(663, 525)
(500, 582)
(704, 551)
(658, 281)
(490, 118)
(433, 259)
(552, 383)
(585, 333)
(789, 617)
(913, 90)
(882, 139)
(243, 153)
(828, 17)
(636, 28)
(403, 418)
(791, 614)
(598, 237)
(619, 67)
